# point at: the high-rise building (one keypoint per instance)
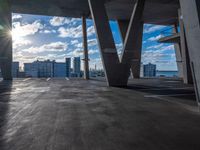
(68, 67)
(149, 70)
(77, 66)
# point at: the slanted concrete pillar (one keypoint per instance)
(5, 39)
(177, 48)
(109, 56)
(85, 47)
(123, 27)
(190, 10)
(117, 72)
(187, 74)
(133, 40)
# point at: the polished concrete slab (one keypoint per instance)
(61, 114)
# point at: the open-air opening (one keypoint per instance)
(138, 91)
(157, 59)
(45, 46)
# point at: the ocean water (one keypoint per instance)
(167, 73)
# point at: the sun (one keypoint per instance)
(16, 34)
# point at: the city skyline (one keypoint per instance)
(44, 37)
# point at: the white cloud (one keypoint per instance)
(156, 46)
(20, 30)
(92, 42)
(21, 42)
(155, 38)
(72, 32)
(16, 17)
(91, 31)
(58, 21)
(47, 31)
(75, 53)
(52, 47)
(93, 51)
(167, 48)
(73, 42)
(152, 28)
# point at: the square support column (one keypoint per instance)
(177, 47)
(5, 39)
(190, 10)
(187, 73)
(85, 47)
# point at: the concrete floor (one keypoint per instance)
(57, 114)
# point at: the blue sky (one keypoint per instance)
(43, 37)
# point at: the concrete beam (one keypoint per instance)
(191, 17)
(177, 48)
(133, 40)
(187, 74)
(5, 39)
(117, 72)
(123, 27)
(113, 69)
(85, 47)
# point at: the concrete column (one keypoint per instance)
(5, 39)
(187, 74)
(133, 40)
(114, 72)
(85, 47)
(123, 27)
(190, 10)
(177, 48)
(136, 63)
(117, 72)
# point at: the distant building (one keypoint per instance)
(21, 74)
(30, 70)
(59, 69)
(39, 69)
(77, 66)
(68, 67)
(15, 69)
(149, 70)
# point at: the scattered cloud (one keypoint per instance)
(72, 32)
(90, 31)
(73, 42)
(92, 42)
(157, 46)
(19, 43)
(59, 21)
(52, 47)
(46, 31)
(155, 38)
(21, 30)
(16, 17)
(152, 28)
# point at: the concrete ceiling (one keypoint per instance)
(156, 11)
